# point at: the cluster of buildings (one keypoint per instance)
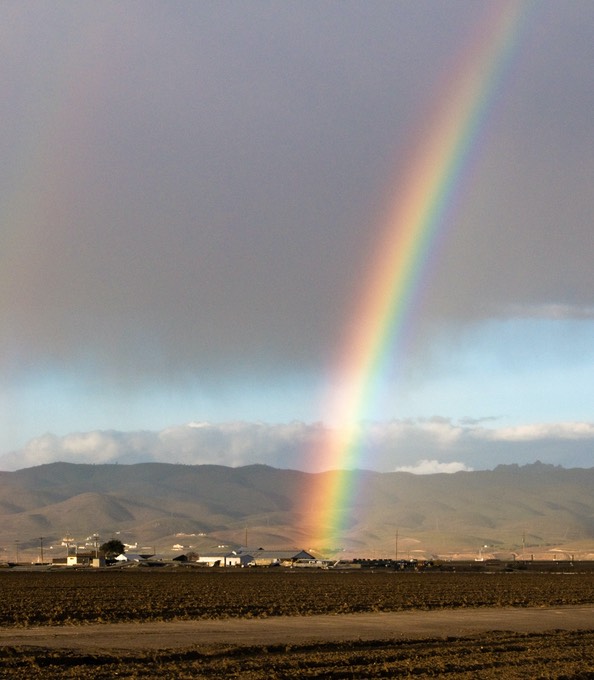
(249, 557)
(240, 557)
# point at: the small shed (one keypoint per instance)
(80, 558)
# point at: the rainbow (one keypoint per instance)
(418, 217)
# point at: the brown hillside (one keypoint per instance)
(534, 508)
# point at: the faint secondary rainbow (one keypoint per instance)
(418, 216)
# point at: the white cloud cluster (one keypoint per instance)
(429, 446)
(431, 467)
(540, 432)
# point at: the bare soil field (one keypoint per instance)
(150, 594)
(303, 625)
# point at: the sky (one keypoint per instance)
(191, 194)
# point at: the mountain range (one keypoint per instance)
(511, 510)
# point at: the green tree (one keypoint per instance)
(112, 548)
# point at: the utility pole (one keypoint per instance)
(68, 541)
(41, 549)
(396, 545)
(16, 549)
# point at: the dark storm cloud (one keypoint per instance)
(195, 186)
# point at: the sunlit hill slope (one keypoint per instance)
(533, 509)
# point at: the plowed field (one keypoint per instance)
(78, 598)
(49, 598)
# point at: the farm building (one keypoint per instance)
(268, 558)
(247, 557)
(225, 559)
(131, 557)
(81, 559)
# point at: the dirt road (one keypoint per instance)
(299, 630)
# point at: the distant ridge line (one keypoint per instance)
(505, 510)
